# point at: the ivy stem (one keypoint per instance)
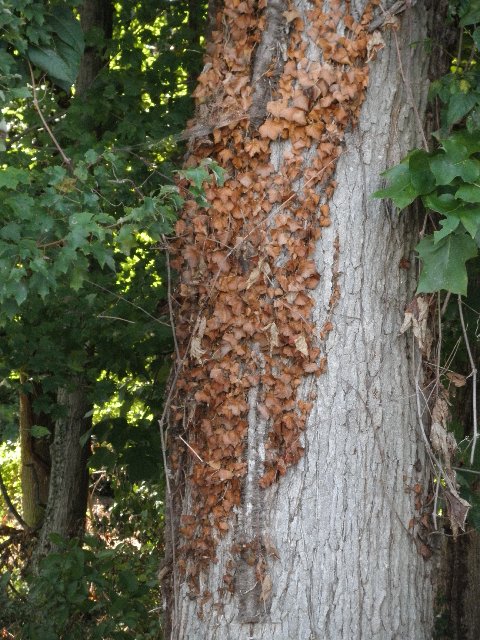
(474, 380)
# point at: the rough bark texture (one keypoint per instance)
(457, 610)
(95, 15)
(342, 561)
(35, 466)
(67, 498)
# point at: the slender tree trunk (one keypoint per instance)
(294, 517)
(35, 466)
(68, 493)
(67, 498)
(95, 15)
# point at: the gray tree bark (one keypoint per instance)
(343, 562)
(35, 466)
(67, 497)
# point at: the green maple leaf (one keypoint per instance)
(444, 263)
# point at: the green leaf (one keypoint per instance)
(469, 193)
(400, 190)
(67, 28)
(197, 176)
(421, 176)
(38, 431)
(444, 203)
(77, 278)
(461, 145)
(445, 169)
(11, 177)
(128, 581)
(470, 14)
(49, 61)
(459, 105)
(449, 224)
(20, 292)
(219, 173)
(444, 263)
(91, 156)
(455, 210)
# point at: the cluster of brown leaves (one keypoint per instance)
(246, 261)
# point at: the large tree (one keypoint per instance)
(298, 473)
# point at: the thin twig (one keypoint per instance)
(435, 502)
(192, 449)
(462, 469)
(474, 380)
(120, 297)
(101, 315)
(435, 462)
(445, 304)
(65, 159)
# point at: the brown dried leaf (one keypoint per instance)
(456, 379)
(196, 350)
(271, 129)
(301, 345)
(375, 44)
(291, 15)
(416, 317)
(266, 584)
(458, 509)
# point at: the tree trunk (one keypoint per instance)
(458, 614)
(292, 505)
(68, 493)
(95, 15)
(35, 465)
(67, 498)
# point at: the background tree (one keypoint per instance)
(87, 198)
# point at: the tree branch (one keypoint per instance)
(10, 505)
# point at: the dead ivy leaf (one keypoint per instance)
(425, 551)
(416, 317)
(439, 441)
(301, 345)
(224, 474)
(266, 588)
(440, 411)
(291, 15)
(456, 379)
(270, 548)
(270, 129)
(458, 509)
(375, 44)
(196, 350)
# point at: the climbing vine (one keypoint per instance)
(445, 180)
(246, 261)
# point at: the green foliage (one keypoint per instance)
(79, 584)
(447, 181)
(89, 195)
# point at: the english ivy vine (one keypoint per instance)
(447, 180)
